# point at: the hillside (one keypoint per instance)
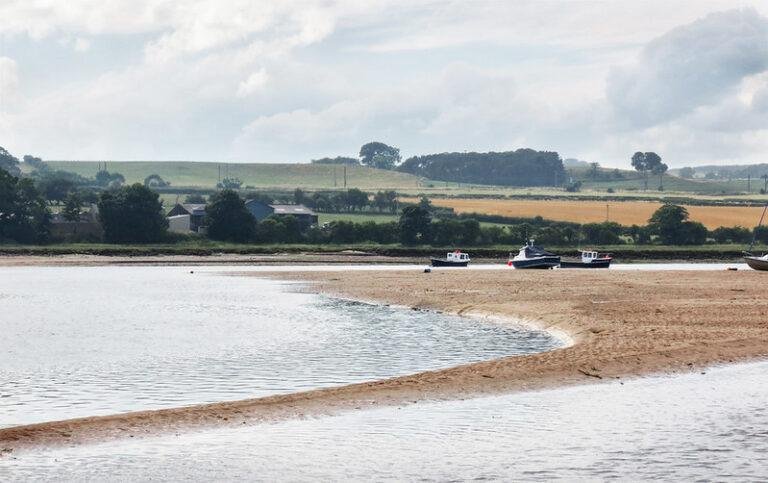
(183, 174)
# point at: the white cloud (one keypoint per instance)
(9, 82)
(253, 83)
(691, 66)
(260, 80)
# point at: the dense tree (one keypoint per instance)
(524, 167)
(379, 155)
(649, 162)
(132, 214)
(9, 163)
(24, 217)
(71, 210)
(155, 181)
(228, 219)
(594, 170)
(109, 180)
(670, 223)
(415, 224)
(230, 184)
(356, 199)
(735, 234)
(35, 162)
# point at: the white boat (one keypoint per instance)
(531, 256)
(589, 259)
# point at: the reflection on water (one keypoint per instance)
(86, 341)
(692, 427)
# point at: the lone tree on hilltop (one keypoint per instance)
(379, 155)
(647, 162)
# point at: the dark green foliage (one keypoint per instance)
(338, 160)
(379, 155)
(761, 234)
(573, 187)
(670, 224)
(132, 214)
(648, 162)
(35, 162)
(606, 233)
(356, 199)
(230, 184)
(415, 225)
(228, 219)
(155, 181)
(524, 167)
(454, 232)
(71, 210)
(109, 180)
(735, 234)
(24, 217)
(9, 163)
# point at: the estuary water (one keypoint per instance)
(83, 341)
(694, 427)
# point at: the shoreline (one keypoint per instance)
(623, 324)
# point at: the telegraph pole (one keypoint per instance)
(345, 176)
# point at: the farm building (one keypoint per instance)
(260, 210)
(86, 228)
(195, 211)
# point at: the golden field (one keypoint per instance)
(623, 212)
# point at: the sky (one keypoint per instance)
(294, 80)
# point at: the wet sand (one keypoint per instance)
(622, 324)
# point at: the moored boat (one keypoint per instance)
(756, 263)
(452, 259)
(531, 256)
(589, 259)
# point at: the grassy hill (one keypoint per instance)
(183, 174)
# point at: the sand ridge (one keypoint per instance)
(622, 324)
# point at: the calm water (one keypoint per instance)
(686, 428)
(81, 341)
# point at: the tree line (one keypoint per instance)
(523, 167)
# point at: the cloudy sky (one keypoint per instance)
(287, 81)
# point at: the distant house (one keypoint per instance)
(86, 228)
(180, 223)
(260, 210)
(195, 211)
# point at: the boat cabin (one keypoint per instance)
(457, 256)
(589, 256)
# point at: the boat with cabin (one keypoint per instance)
(531, 256)
(589, 259)
(452, 259)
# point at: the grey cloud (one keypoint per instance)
(691, 66)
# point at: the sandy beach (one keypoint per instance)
(622, 324)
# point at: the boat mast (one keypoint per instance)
(754, 232)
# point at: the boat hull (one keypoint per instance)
(757, 263)
(592, 264)
(441, 262)
(538, 262)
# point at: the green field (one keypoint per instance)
(286, 177)
(183, 174)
